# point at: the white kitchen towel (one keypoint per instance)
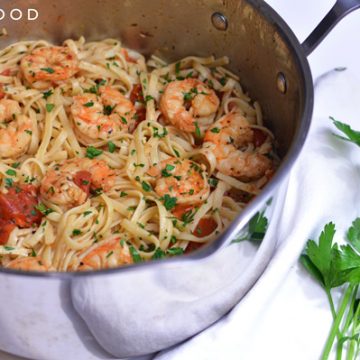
(151, 308)
(286, 315)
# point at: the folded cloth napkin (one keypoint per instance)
(151, 308)
(286, 315)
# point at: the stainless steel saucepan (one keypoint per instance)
(37, 317)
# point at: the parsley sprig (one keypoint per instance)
(333, 265)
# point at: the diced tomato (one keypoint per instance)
(205, 227)
(193, 246)
(259, 137)
(83, 180)
(18, 208)
(136, 94)
(180, 210)
(6, 72)
(5, 229)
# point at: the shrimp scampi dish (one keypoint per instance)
(109, 159)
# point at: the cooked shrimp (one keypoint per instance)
(15, 129)
(183, 179)
(225, 138)
(108, 254)
(102, 117)
(69, 183)
(186, 100)
(47, 66)
(27, 264)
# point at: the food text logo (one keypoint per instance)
(17, 14)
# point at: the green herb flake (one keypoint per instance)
(111, 147)
(43, 209)
(169, 202)
(175, 251)
(197, 130)
(123, 193)
(92, 152)
(9, 182)
(215, 130)
(47, 94)
(9, 248)
(49, 107)
(49, 70)
(15, 165)
(135, 255)
(158, 254)
(146, 187)
(10, 172)
(76, 232)
(89, 104)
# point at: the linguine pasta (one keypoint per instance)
(114, 159)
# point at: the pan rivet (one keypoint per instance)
(281, 82)
(219, 21)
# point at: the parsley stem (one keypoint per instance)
(351, 350)
(336, 324)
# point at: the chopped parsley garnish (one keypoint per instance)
(86, 213)
(187, 96)
(9, 182)
(10, 172)
(123, 120)
(215, 130)
(177, 68)
(197, 130)
(85, 182)
(135, 255)
(123, 193)
(49, 107)
(157, 134)
(92, 152)
(43, 209)
(165, 171)
(76, 232)
(188, 217)
(46, 94)
(146, 187)
(48, 70)
(191, 192)
(96, 192)
(169, 202)
(15, 165)
(175, 251)
(158, 254)
(109, 254)
(148, 98)
(213, 182)
(111, 146)
(89, 104)
(28, 132)
(222, 81)
(108, 109)
(9, 248)
(33, 253)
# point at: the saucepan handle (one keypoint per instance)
(339, 11)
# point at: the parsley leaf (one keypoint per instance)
(48, 70)
(352, 135)
(169, 202)
(353, 234)
(49, 107)
(111, 146)
(135, 255)
(92, 152)
(43, 209)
